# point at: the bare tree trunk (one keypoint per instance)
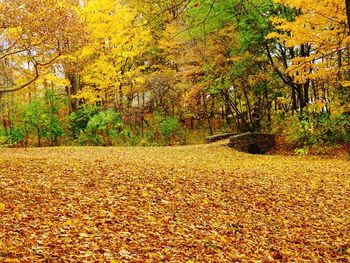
(249, 109)
(207, 116)
(121, 97)
(39, 137)
(74, 80)
(347, 3)
(268, 106)
(294, 101)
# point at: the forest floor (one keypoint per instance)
(204, 203)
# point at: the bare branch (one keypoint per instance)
(12, 53)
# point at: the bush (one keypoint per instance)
(53, 126)
(162, 130)
(319, 129)
(16, 135)
(78, 120)
(40, 118)
(170, 128)
(103, 128)
(3, 137)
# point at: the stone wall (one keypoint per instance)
(256, 143)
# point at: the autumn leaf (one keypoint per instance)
(203, 203)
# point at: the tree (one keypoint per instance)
(117, 41)
(34, 34)
(347, 3)
(321, 32)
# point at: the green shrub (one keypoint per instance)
(161, 130)
(104, 127)
(78, 120)
(170, 127)
(3, 138)
(319, 129)
(53, 125)
(302, 151)
(41, 119)
(16, 135)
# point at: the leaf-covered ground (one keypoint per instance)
(174, 204)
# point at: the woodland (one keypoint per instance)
(131, 73)
(110, 72)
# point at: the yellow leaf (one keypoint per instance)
(145, 194)
(68, 223)
(2, 206)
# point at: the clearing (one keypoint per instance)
(204, 203)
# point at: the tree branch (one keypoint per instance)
(34, 78)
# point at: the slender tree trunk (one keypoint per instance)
(306, 92)
(207, 116)
(294, 101)
(39, 137)
(347, 4)
(249, 109)
(121, 97)
(74, 80)
(240, 118)
(301, 97)
(3, 114)
(268, 106)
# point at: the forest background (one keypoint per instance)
(111, 72)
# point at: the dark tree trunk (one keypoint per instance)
(39, 137)
(267, 106)
(347, 3)
(74, 80)
(121, 97)
(306, 92)
(211, 132)
(294, 101)
(301, 99)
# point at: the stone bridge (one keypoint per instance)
(256, 143)
(219, 137)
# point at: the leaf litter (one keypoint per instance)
(171, 204)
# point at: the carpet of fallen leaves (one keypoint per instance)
(172, 204)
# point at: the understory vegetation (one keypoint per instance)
(106, 72)
(41, 122)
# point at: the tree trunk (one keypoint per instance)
(301, 97)
(207, 116)
(306, 92)
(294, 101)
(268, 106)
(248, 107)
(121, 97)
(39, 137)
(347, 3)
(74, 80)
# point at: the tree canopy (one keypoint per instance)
(218, 65)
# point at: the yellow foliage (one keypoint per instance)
(34, 34)
(320, 25)
(88, 95)
(116, 41)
